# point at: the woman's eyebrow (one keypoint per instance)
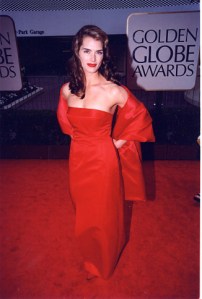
(84, 48)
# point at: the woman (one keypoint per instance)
(100, 170)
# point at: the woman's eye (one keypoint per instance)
(86, 51)
(100, 52)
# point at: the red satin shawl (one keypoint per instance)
(134, 124)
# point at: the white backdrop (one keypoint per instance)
(68, 22)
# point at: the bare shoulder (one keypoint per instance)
(119, 94)
(66, 91)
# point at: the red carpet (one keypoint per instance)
(39, 258)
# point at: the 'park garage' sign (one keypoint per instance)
(163, 50)
(10, 76)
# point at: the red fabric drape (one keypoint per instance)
(134, 124)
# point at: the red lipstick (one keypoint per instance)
(91, 64)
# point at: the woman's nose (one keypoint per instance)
(93, 57)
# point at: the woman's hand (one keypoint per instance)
(119, 143)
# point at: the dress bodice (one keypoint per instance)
(89, 123)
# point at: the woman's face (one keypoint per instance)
(91, 54)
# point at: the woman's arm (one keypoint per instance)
(121, 96)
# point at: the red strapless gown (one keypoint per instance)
(96, 189)
(98, 184)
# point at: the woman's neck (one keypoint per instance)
(93, 79)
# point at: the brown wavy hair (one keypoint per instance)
(77, 83)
